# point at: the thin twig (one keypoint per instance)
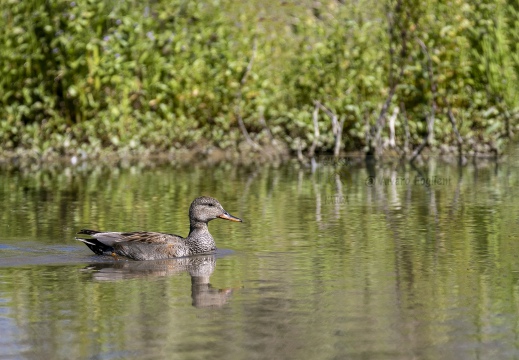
(459, 139)
(331, 114)
(508, 128)
(239, 98)
(392, 120)
(453, 122)
(263, 123)
(338, 137)
(406, 128)
(429, 137)
(430, 118)
(315, 117)
(336, 126)
(300, 151)
(419, 149)
(393, 81)
(248, 69)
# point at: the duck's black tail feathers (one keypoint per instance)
(93, 244)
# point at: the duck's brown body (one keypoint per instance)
(143, 245)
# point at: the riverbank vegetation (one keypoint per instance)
(310, 77)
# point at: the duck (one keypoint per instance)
(145, 245)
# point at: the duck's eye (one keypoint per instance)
(210, 204)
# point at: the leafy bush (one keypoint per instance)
(169, 74)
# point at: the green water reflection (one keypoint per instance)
(348, 261)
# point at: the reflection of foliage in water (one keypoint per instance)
(393, 256)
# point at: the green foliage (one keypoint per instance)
(154, 76)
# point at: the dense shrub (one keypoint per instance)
(94, 74)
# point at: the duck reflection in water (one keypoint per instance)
(200, 268)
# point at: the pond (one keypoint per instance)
(352, 260)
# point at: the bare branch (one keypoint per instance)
(338, 137)
(329, 113)
(406, 129)
(459, 139)
(239, 98)
(393, 81)
(429, 137)
(392, 120)
(336, 126)
(300, 156)
(419, 149)
(315, 117)
(248, 69)
(431, 117)
(263, 123)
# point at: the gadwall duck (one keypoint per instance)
(143, 245)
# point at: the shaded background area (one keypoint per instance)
(347, 261)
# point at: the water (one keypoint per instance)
(351, 261)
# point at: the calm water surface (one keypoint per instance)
(352, 261)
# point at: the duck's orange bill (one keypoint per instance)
(228, 216)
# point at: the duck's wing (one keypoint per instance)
(136, 237)
(149, 245)
(142, 237)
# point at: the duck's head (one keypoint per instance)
(204, 209)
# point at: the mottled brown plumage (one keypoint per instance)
(144, 245)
